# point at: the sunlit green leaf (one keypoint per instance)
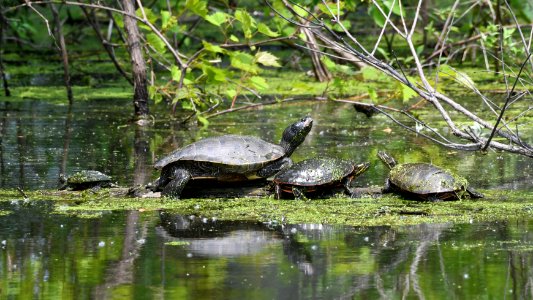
(187, 105)
(165, 18)
(231, 93)
(181, 94)
(247, 22)
(214, 74)
(175, 73)
(233, 38)
(155, 42)
(332, 7)
(202, 120)
(264, 29)
(259, 82)
(372, 74)
(406, 92)
(267, 59)
(244, 61)
(299, 11)
(198, 7)
(217, 18)
(152, 18)
(373, 94)
(212, 48)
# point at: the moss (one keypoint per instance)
(387, 210)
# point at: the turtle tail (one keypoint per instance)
(387, 159)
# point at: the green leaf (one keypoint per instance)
(202, 120)
(299, 11)
(155, 42)
(388, 3)
(372, 74)
(447, 71)
(332, 6)
(175, 73)
(212, 48)
(244, 61)
(377, 16)
(259, 82)
(372, 94)
(214, 74)
(264, 29)
(152, 93)
(267, 59)
(152, 18)
(165, 18)
(247, 22)
(187, 105)
(231, 93)
(180, 94)
(198, 7)
(217, 18)
(407, 93)
(330, 64)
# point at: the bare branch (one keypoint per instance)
(505, 105)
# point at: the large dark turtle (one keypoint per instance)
(425, 181)
(317, 175)
(86, 179)
(228, 158)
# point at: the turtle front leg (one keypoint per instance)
(346, 183)
(173, 189)
(387, 188)
(298, 193)
(278, 192)
(275, 167)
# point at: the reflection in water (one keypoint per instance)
(210, 238)
(132, 254)
(141, 148)
(3, 130)
(66, 141)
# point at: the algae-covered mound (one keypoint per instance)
(386, 210)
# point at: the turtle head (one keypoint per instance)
(387, 159)
(295, 134)
(359, 169)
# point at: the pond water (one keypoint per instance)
(135, 254)
(150, 255)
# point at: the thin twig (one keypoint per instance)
(506, 103)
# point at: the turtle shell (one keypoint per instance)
(238, 153)
(315, 171)
(87, 176)
(423, 178)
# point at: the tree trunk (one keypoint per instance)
(3, 23)
(140, 89)
(63, 51)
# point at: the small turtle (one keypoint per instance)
(317, 175)
(87, 179)
(228, 158)
(425, 181)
